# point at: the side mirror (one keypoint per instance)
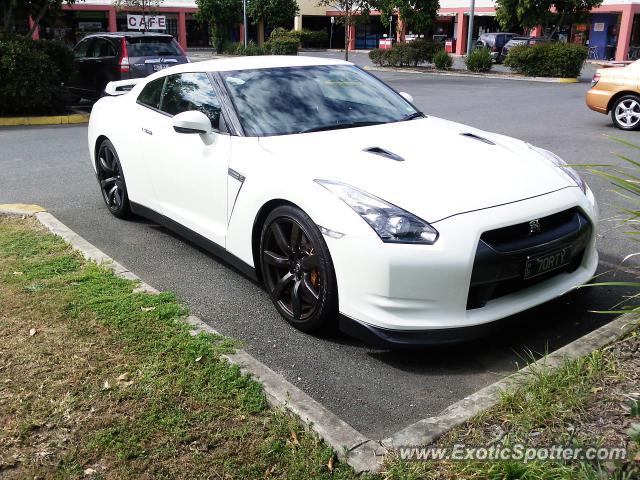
(407, 97)
(192, 121)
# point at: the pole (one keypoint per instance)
(244, 14)
(470, 29)
(333, 20)
(390, 25)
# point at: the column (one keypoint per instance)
(111, 16)
(624, 36)
(297, 23)
(182, 29)
(352, 37)
(36, 32)
(461, 33)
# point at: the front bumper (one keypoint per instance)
(414, 293)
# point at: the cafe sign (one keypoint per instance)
(146, 22)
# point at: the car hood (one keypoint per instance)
(444, 168)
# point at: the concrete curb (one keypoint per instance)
(349, 444)
(473, 75)
(361, 453)
(74, 118)
(428, 430)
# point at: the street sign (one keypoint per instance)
(152, 22)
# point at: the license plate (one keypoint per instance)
(159, 66)
(545, 263)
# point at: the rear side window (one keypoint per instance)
(82, 49)
(191, 91)
(150, 94)
(152, 47)
(103, 48)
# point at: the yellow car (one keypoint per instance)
(617, 90)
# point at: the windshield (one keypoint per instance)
(280, 101)
(152, 46)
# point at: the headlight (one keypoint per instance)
(558, 162)
(391, 223)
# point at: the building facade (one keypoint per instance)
(613, 31)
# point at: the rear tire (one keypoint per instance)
(111, 180)
(625, 112)
(298, 271)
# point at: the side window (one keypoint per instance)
(82, 49)
(191, 91)
(150, 94)
(103, 48)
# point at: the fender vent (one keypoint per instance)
(384, 153)
(477, 137)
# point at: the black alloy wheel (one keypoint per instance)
(297, 270)
(111, 180)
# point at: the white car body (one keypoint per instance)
(461, 180)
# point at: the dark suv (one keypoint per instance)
(494, 42)
(103, 57)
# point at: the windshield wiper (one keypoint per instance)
(337, 126)
(413, 116)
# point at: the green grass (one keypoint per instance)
(94, 375)
(546, 410)
(112, 380)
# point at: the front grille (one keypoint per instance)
(498, 269)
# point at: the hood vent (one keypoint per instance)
(384, 153)
(477, 137)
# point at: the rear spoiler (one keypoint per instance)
(121, 86)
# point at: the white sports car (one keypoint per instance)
(350, 204)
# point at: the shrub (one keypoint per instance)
(479, 60)
(377, 56)
(547, 59)
(312, 38)
(442, 60)
(33, 73)
(282, 46)
(251, 49)
(421, 51)
(404, 54)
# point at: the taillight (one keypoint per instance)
(595, 79)
(495, 49)
(124, 57)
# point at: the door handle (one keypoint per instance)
(148, 132)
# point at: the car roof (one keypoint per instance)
(127, 34)
(254, 62)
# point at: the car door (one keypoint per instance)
(189, 171)
(81, 59)
(104, 63)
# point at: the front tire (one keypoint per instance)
(111, 180)
(297, 270)
(625, 112)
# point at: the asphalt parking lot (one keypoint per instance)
(377, 392)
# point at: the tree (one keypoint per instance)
(274, 13)
(222, 15)
(350, 11)
(551, 14)
(421, 14)
(14, 11)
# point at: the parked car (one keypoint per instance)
(104, 57)
(518, 41)
(310, 175)
(616, 90)
(494, 42)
